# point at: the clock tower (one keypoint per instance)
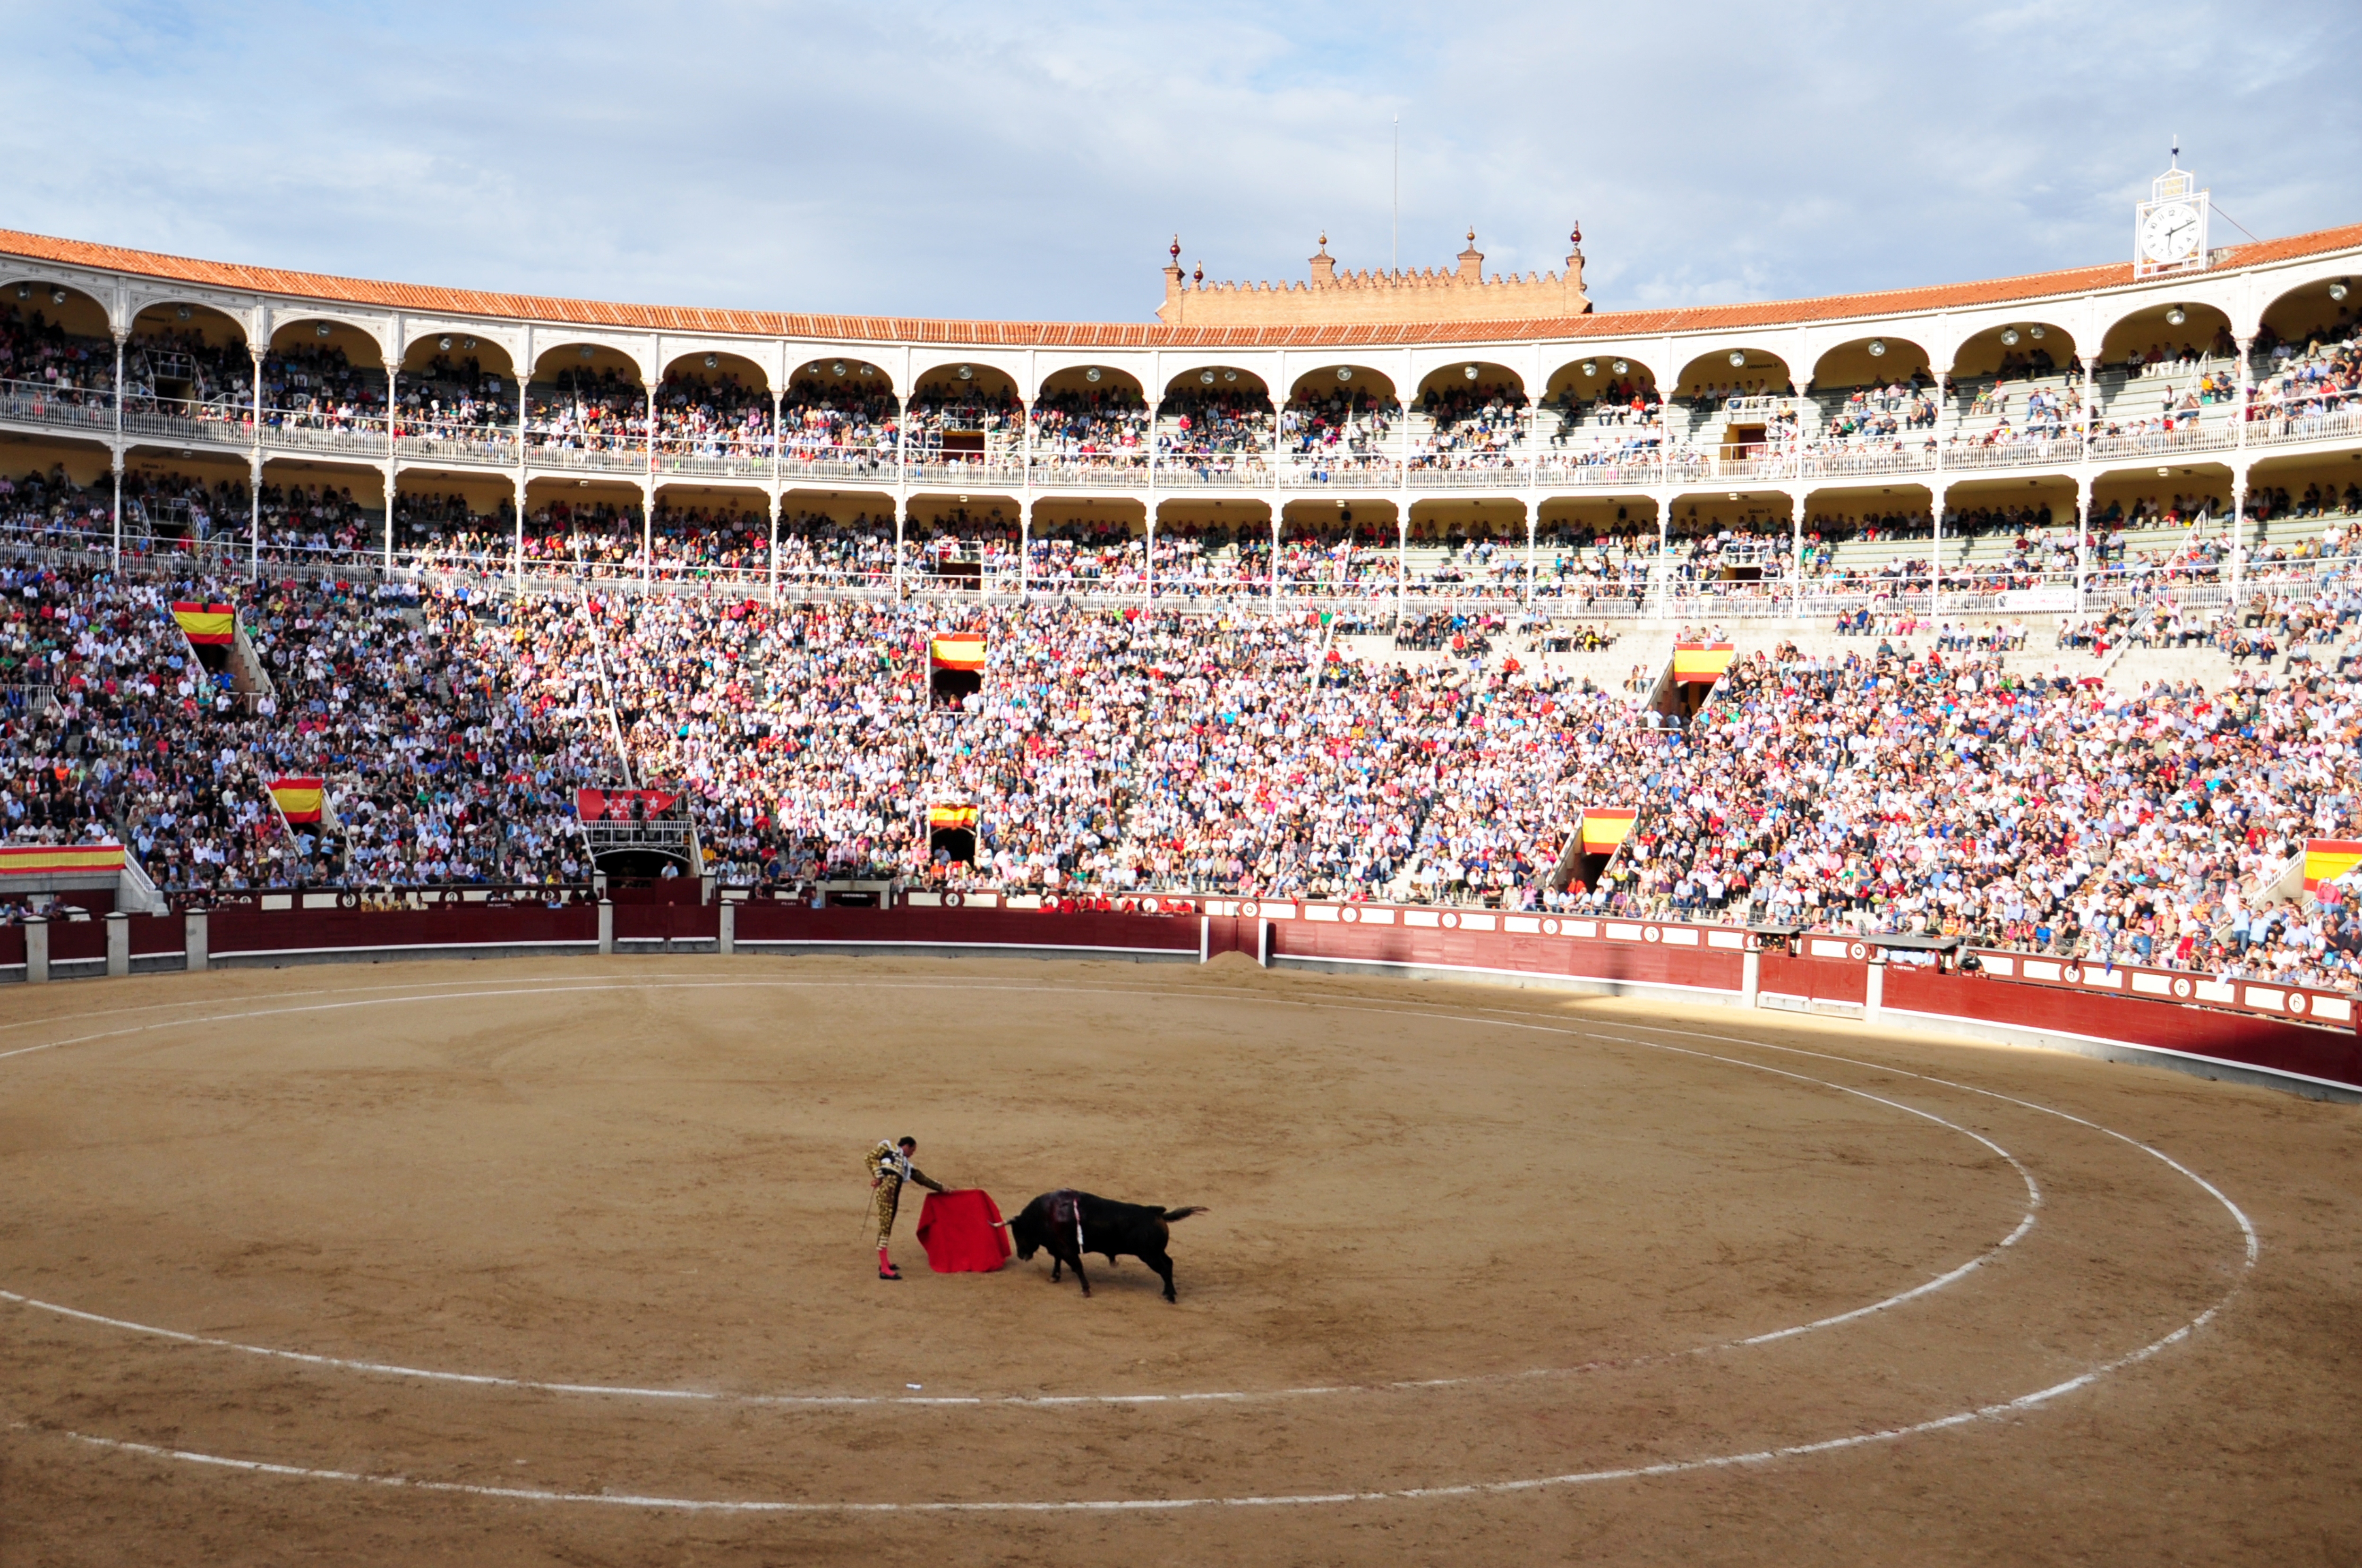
(2170, 229)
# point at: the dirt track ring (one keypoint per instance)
(1455, 1489)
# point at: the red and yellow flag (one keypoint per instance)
(214, 624)
(49, 859)
(1605, 827)
(950, 816)
(2327, 859)
(1701, 663)
(956, 650)
(300, 799)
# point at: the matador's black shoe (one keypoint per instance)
(889, 1272)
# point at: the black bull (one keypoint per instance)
(1068, 1224)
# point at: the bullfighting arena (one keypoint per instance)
(564, 1261)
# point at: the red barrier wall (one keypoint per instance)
(239, 931)
(1652, 963)
(665, 922)
(157, 933)
(71, 939)
(2335, 1054)
(1819, 980)
(2248, 1038)
(1011, 928)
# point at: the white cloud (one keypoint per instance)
(954, 161)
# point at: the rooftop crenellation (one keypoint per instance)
(1370, 296)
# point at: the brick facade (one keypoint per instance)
(1374, 298)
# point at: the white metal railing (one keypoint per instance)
(1843, 463)
(2274, 429)
(40, 402)
(182, 420)
(2167, 442)
(2038, 453)
(460, 444)
(315, 433)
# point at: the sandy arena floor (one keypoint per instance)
(1489, 1276)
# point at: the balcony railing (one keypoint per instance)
(2167, 442)
(2285, 429)
(2037, 452)
(39, 403)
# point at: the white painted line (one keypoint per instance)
(2017, 1406)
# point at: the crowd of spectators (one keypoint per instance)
(40, 360)
(1901, 793)
(1950, 789)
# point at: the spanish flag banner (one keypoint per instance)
(958, 650)
(951, 816)
(1603, 828)
(300, 799)
(2327, 859)
(214, 624)
(50, 859)
(1701, 663)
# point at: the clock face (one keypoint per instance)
(2169, 233)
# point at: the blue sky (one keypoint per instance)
(1027, 162)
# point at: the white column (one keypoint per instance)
(2091, 402)
(1402, 564)
(118, 464)
(1533, 527)
(2083, 537)
(1796, 555)
(778, 485)
(648, 495)
(254, 524)
(1660, 579)
(1024, 545)
(2239, 534)
(1148, 590)
(392, 451)
(516, 541)
(2246, 391)
(901, 476)
(1936, 559)
(523, 411)
(1275, 516)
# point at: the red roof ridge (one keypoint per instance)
(1643, 321)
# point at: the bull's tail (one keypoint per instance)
(1185, 1213)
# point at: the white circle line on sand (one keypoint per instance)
(2022, 1403)
(700, 1396)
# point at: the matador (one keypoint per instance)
(890, 1167)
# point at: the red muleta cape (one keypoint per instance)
(962, 1231)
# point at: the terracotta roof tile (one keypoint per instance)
(1112, 335)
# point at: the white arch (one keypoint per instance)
(546, 343)
(1134, 362)
(1322, 372)
(1716, 353)
(510, 338)
(377, 329)
(1562, 358)
(767, 355)
(928, 362)
(252, 317)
